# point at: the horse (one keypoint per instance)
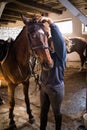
(1, 100)
(15, 66)
(79, 45)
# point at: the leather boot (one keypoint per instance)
(58, 122)
(43, 123)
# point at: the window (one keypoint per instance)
(6, 32)
(65, 26)
(84, 29)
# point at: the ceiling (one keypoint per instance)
(11, 10)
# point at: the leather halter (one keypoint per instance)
(37, 46)
(33, 54)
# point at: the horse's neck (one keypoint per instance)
(21, 40)
(21, 47)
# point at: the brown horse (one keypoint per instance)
(75, 44)
(79, 45)
(15, 66)
(1, 100)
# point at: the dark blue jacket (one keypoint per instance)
(55, 77)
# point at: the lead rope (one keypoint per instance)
(36, 76)
(32, 66)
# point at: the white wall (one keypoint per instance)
(77, 30)
(77, 26)
(10, 30)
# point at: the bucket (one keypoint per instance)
(85, 120)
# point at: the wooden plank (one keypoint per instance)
(39, 6)
(14, 13)
(4, 17)
(21, 7)
(7, 0)
(20, 10)
(7, 20)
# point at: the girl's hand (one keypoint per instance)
(45, 19)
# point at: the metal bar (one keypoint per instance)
(86, 89)
(86, 78)
(2, 6)
(74, 11)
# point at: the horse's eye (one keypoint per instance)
(33, 34)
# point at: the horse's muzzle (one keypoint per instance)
(47, 66)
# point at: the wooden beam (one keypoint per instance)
(39, 6)
(7, 20)
(7, 17)
(11, 12)
(3, 23)
(17, 14)
(20, 11)
(21, 7)
(11, 16)
(7, 0)
(14, 12)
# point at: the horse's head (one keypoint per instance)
(68, 44)
(38, 41)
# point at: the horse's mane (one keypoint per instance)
(19, 33)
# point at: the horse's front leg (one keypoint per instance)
(27, 101)
(11, 92)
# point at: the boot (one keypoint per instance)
(58, 121)
(43, 123)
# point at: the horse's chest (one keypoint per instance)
(14, 72)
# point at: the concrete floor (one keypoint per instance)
(73, 106)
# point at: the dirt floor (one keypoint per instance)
(73, 107)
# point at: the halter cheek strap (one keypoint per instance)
(35, 47)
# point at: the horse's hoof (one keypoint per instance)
(2, 102)
(12, 123)
(11, 127)
(31, 121)
(81, 127)
(81, 69)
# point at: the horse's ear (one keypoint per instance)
(24, 19)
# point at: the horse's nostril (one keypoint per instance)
(47, 66)
(44, 64)
(51, 65)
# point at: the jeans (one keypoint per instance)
(49, 96)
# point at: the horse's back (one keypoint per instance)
(79, 43)
(79, 40)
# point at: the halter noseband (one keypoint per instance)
(40, 46)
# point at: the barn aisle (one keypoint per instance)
(72, 108)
